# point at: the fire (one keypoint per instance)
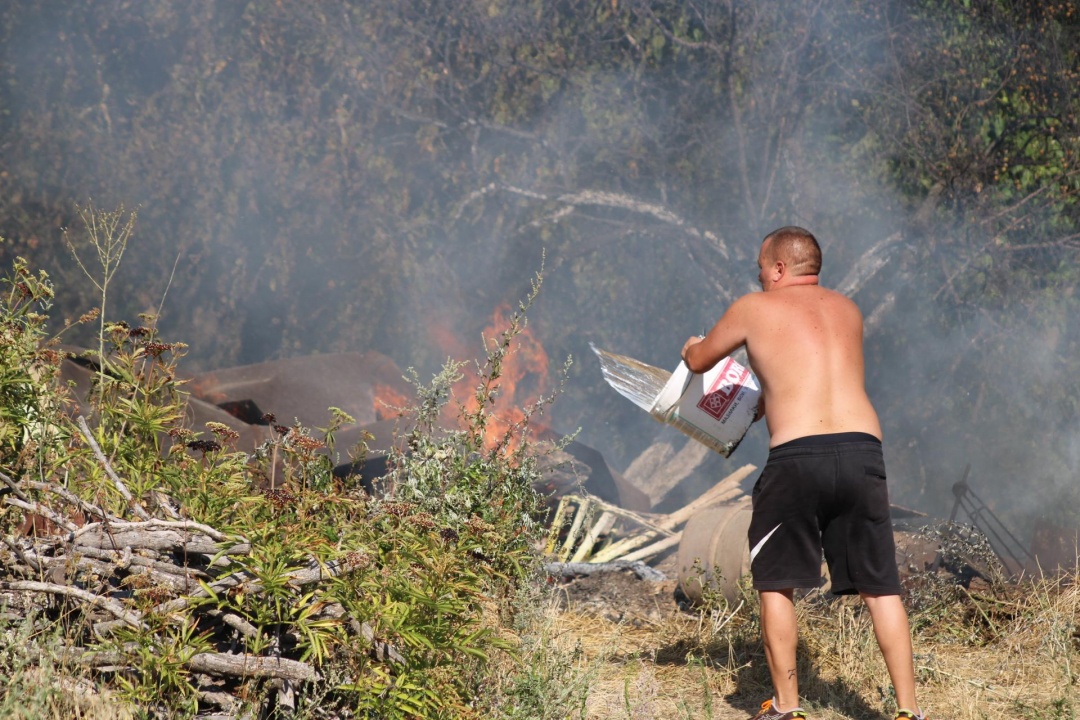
(524, 378)
(388, 402)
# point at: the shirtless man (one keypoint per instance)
(823, 486)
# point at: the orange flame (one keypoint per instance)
(388, 402)
(523, 380)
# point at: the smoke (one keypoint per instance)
(353, 178)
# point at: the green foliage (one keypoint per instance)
(987, 133)
(412, 618)
(160, 685)
(25, 367)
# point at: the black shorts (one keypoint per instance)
(824, 492)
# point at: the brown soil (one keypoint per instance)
(653, 657)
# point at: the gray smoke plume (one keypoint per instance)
(339, 176)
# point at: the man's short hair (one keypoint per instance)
(797, 247)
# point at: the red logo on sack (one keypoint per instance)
(725, 388)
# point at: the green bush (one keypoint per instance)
(417, 593)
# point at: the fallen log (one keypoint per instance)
(218, 664)
(124, 559)
(148, 539)
(248, 666)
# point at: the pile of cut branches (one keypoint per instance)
(126, 577)
(167, 571)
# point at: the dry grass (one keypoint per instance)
(48, 695)
(34, 685)
(1011, 651)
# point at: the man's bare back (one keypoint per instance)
(804, 343)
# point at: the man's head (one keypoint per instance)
(788, 253)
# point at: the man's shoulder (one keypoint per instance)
(808, 298)
(748, 305)
(817, 292)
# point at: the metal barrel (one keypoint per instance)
(714, 551)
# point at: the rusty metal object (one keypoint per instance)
(714, 552)
(365, 385)
(1016, 559)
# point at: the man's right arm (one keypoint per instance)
(727, 335)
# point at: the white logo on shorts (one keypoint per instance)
(761, 542)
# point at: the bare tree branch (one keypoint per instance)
(132, 619)
(602, 199)
(868, 264)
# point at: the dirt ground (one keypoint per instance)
(639, 639)
(650, 656)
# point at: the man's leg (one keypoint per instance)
(781, 635)
(894, 638)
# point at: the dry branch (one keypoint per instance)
(382, 650)
(236, 622)
(166, 563)
(34, 508)
(868, 264)
(132, 619)
(314, 572)
(85, 507)
(117, 482)
(602, 199)
(18, 550)
(116, 549)
(219, 664)
(14, 487)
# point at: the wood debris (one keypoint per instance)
(144, 572)
(604, 534)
